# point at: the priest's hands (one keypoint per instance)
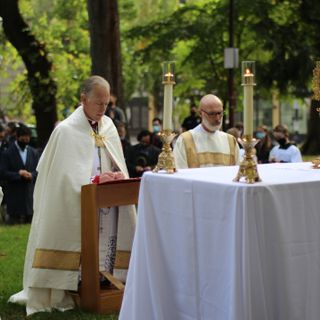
(109, 176)
(25, 174)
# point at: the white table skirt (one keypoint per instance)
(210, 248)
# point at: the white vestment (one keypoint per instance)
(199, 148)
(291, 154)
(53, 251)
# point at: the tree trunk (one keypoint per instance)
(34, 56)
(105, 43)
(312, 143)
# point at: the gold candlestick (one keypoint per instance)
(316, 83)
(316, 96)
(316, 163)
(248, 166)
(166, 159)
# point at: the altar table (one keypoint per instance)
(208, 248)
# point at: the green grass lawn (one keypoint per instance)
(13, 241)
(309, 158)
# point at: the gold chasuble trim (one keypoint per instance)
(56, 259)
(233, 150)
(196, 160)
(192, 156)
(215, 158)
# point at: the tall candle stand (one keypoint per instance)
(248, 166)
(166, 159)
(316, 96)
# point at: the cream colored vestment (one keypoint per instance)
(53, 252)
(198, 148)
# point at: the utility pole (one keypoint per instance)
(231, 91)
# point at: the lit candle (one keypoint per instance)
(168, 82)
(248, 83)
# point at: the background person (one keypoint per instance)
(143, 156)
(3, 146)
(237, 134)
(192, 120)
(11, 131)
(18, 167)
(122, 131)
(264, 146)
(114, 111)
(284, 151)
(156, 129)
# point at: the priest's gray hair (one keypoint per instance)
(93, 81)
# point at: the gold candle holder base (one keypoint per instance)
(166, 159)
(248, 166)
(316, 163)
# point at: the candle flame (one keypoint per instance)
(247, 71)
(169, 74)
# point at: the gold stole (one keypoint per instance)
(196, 160)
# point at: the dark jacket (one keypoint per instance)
(143, 156)
(19, 191)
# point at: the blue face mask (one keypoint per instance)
(156, 128)
(260, 135)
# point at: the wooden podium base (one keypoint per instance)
(108, 300)
(90, 296)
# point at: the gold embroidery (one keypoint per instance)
(222, 159)
(192, 158)
(196, 160)
(233, 150)
(56, 259)
(98, 139)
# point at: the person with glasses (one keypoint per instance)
(206, 145)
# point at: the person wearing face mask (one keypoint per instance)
(192, 120)
(284, 151)
(206, 145)
(264, 145)
(18, 166)
(156, 129)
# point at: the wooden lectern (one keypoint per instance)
(94, 196)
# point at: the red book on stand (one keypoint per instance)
(96, 180)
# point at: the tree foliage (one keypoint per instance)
(35, 57)
(282, 36)
(62, 27)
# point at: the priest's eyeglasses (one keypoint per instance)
(213, 114)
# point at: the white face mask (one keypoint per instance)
(210, 126)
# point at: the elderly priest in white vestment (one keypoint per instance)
(206, 145)
(82, 146)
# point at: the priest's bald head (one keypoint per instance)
(211, 111)
(95, 96)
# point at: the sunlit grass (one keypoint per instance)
(13, 241)
(309, 158)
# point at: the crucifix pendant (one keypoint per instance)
(98, 139)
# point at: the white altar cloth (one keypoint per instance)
(208, 248)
